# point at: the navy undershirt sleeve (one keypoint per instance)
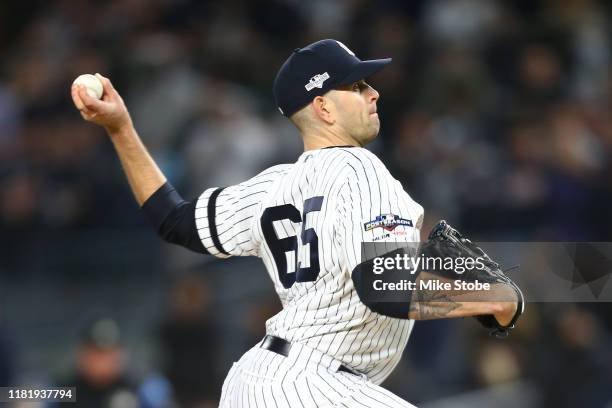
(173, 218)
(388, 303)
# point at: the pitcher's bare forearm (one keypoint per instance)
(445, 307)
(143, 174)
(499, 301)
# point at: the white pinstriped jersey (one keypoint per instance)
(307, 221)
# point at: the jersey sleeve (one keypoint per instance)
(372, 206)
(226, 217)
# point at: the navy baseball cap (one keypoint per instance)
(316, 69)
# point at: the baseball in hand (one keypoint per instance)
(92, 84)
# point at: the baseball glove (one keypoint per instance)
(446, 242)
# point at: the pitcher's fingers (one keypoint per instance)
(74, 92)
(90, 103)
(87, 115)
(105, 81)
(78, 102)
(109, 89)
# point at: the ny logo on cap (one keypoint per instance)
(316, 81)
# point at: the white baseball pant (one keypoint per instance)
(306, 378)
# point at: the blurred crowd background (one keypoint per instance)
(495, 116)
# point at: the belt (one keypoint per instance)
(282, 347)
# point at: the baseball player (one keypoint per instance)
(328, 347)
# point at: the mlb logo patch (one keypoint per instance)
(388, 222)
(317, 81)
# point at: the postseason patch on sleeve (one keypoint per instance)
(388, 222)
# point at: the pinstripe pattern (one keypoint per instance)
(325, 314)
(306, 378)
